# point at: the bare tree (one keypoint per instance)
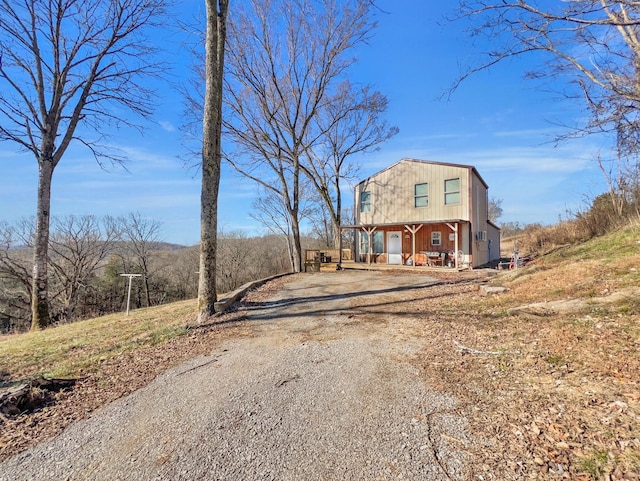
(211, 153)
(141, 236)
(68, 67)
(322, 227)
(271, 209)
(78, 247)
(286, 60)
(350, 123)
(495, 209)
(16, 245)
(234, 255)
(595, 44)
(184, 272)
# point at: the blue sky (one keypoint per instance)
(496, 121)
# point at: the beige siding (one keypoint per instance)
(480, 205)
(392, 201)
(392, 194)
(493, 235)
(479, 222)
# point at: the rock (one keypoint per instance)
(492, 290)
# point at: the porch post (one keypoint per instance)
(413, 247)
(454, 228)
(413, 229)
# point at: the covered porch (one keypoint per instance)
(431, 244)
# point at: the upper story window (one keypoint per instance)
(365, 201)
(421, 195)
(452, 191)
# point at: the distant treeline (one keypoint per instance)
(87, 256)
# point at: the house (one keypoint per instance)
(419, 212)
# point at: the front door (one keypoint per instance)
(394, 247)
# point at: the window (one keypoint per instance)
(421, 193)
(364, 243)
(436, 238)
(365, 202)
(452, 191)
(378, 243)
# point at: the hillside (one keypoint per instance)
(572, 392)
(549, 381)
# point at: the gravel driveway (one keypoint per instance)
(327, 390)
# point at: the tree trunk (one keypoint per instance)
(336, 218)
(297, 245)
(211, 156)
(207, 293)
(292, 263)
(294, 211)
(40, 282)
(71, 303)
(147, 295)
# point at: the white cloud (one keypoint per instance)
(168, 126)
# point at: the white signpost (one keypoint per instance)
(130, 276)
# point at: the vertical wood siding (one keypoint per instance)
(392, 201)
(392, 194)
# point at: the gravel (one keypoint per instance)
(327, 390)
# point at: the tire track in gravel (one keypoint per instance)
(324, 391)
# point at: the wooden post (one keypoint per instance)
(413, 229)
(454, 228)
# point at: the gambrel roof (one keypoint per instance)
(418, 161)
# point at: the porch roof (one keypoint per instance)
(397, 224)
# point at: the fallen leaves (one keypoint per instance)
(548, 397)
(564, 407)
(116, 377)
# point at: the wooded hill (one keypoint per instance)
(86, 267)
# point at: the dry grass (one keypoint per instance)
(588, 269)
(116, 353)
(75, 350)
(562, 401)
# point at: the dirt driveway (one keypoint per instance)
(325, 390)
